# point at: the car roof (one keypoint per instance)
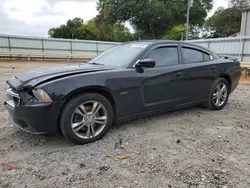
(154, 42)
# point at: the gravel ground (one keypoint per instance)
(192, 147)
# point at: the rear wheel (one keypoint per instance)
(86, 118)
(219, 94)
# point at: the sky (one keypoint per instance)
(36, 17)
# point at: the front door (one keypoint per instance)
(163, 86)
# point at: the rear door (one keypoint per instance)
(199, 72)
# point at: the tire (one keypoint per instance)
(212, 99)
(73, 114)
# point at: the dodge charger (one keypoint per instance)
(131, 80)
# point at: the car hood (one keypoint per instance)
(37, 76)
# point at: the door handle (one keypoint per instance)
(179, 74)
(213, 67)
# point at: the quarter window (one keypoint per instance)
(165, 56)
(206, 57)
(192, 55)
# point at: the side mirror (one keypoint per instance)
(148, 63)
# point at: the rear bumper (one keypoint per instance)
(37, 119)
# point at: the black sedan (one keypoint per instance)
(83, 101)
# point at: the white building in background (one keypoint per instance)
(245, 22)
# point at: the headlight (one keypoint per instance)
(41, 95)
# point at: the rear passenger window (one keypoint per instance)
(165, 56)
(192, 55)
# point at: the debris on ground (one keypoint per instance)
(122, 157)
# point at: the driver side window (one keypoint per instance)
(165, 56)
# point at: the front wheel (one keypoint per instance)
(219, 94)
(86, 118)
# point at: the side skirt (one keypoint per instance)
(145, 114)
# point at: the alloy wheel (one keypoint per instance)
(220, 94)
(89, 119)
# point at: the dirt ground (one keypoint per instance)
(193, 147)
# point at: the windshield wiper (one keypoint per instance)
(94, 63)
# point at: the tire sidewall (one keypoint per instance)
(211, 103)
(68, 110)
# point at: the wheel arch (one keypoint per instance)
(93, 89)
(227, 78)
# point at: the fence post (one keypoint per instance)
(42, 47)
(242, 50)
(71, 49)
(208, 44)
(9, 47)
(97, 48)
(71, 46)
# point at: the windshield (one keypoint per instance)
(120, 55)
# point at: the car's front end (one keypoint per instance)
(34, 100)
(32, 109)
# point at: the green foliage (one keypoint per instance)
(152, 18)
(84, 32)
(239, 3)
(224, 23)
(67, 31)
(176, 33)
(76, 22)
(63, 31)
(95, 29)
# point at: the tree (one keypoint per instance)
(176, 33)
(76, 22)
(239, 3)
(67, 31)
(224, 23)
(84, 32)
(121, 33)
(153, 17)
(63, 31)
(94, 29)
